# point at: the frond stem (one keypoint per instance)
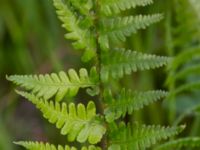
(170, 50)
(98, 64)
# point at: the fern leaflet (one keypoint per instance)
(120, 61)
(78, 123)
(184, 73)
(186, 87)
(184, 57)
(117, 29)
(46, 146)
(128, 101)
(180, 143)
(85, 8)
(49, 85)
(84, 38)
(109, 7)
(139, 137)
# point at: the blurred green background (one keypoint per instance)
(32, 41)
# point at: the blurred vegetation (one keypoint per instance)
(32, 41)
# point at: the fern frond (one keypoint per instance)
(186, 87)
(184, 57)
(184, 73)
(117, 29)
(178, 62)
(57, 84)
(139, 137)
(187, 21)
(128, 101)
(84, 38)
(119, 62)
(190, 142)
(29, 145)
(183, 42)
(78, 123)
(109, 7)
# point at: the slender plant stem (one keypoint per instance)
(98, 64)
(195, 127)
(170, 50)
(185, 114)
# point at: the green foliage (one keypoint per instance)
(95, 26)
(109, 7)
(78, 123)
(185, 47)
(139, 136)
(118, 28)
(47, 146)
(4, 137)
(117, 63)
(189, 45)
(84, 37)
(49, 85)
(86, 6)
(185, 71)
(184, 57)
(128, 101)
(192, 142)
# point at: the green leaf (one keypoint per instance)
(186, 87)
(119, 62)
(188, 20)
(183, 73)
(30, 145)
(128, 101)
(139, 137)
(183, 57)
(86, 6)
(110, 7)
(78, 123)
(84, 38)
(118, 28)
(190, 142)
(60, 84)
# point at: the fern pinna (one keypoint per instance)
(185, 66)
(98, 28)
(185, 48)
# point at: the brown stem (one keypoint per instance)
(98, 64)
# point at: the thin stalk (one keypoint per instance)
(170, 50)
(185, 114)
(195, 127)
(98, 64)
(98, 59)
